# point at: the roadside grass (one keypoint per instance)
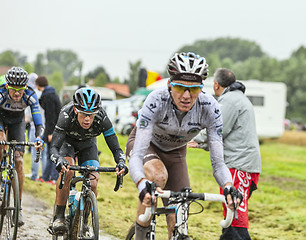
(277, 210)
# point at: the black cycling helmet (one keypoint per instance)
(87, 100)
(16, 76)
(188, 63)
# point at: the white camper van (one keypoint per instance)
(268, 99)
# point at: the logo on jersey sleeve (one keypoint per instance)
(143, 123)
(151, 107)
(219, 131)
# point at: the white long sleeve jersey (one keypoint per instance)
(157, 122)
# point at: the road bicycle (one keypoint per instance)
(82, 218)
(179, 204)
(9, 190)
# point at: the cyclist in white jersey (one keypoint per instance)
(169, 118)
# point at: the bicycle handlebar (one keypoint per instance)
(15, 143)
(187, 196)
(119, 181)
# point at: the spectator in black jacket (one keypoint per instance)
(50, 102)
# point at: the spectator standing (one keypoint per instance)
(31, 132)
(241, 146)
(50, 102)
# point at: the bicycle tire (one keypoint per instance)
(10, 215)
(90, 212)
(131, 232)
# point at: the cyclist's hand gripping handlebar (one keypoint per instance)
(234, 195)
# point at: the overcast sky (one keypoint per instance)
(113, 33)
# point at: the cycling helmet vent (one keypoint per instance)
(87, 100)
(16, 76)
(188, 63)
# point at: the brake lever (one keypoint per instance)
(62, 180)
(152, 199)
(235, 207)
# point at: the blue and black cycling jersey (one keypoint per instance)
(12, 112)
(69, 130)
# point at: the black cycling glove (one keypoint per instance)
(60, 163)
(233, 192)
(150, 188)
(121, 165)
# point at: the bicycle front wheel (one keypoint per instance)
(131, 233)
(10, 207)
(86, 220)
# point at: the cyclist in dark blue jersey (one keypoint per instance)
(78, 125)
(15, 96)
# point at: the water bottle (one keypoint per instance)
(76, 201)
(71, 198)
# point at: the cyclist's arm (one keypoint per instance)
(145, 123)
(202, 140)
(215, 143)
(59, 135)
(112, 140)
(36, 115)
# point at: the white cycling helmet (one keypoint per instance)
(188, 63)
(16, 76)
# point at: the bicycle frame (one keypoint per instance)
(9, 214)
(85, 178)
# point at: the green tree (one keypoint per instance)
(28, 67)
(39, 64)
(65, 61)
(21, 59)
(74, 81)
(7, 58)
(101, 80)
(132, 81)
(94, 74)
(56, 80)
(294, 75)
(234, 48)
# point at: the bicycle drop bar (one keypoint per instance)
(191, 196)
(119, 181)
(15, 143)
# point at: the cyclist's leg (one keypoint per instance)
(59, 225)
(88, 155)
(17, 132)
(2, 137)
(155, 171)
(175, 163)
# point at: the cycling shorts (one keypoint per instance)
(246, 183)
(174, 161)
(85, 150)
(15, 131)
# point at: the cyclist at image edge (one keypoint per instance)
(169, 118)
(78, 125)
(15, 97)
